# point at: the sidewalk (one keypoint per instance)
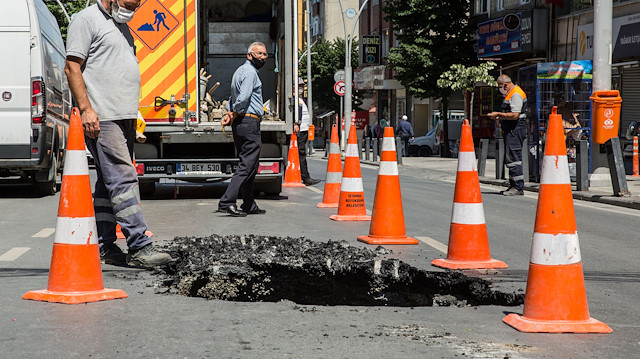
(595, 194)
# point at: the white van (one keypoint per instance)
(36, 102)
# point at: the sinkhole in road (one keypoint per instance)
(254, 268)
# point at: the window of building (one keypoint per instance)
(316, 26)
(499, 5)
(481, 6)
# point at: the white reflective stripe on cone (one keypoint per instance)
(467, 162)
(555, 170)
(334, 148)
(75, 163)
(555, 249)
(352, 150)
(388, 168)
(389, 144)
(467, 213)
(294, 144)
(350, 184)
(76, 230)
(333, 177)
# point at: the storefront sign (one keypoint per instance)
(371, 49)
(500, 36)
(359, 119)
(565, 70)
(625, 40)
(533, 30)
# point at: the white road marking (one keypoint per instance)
(433, 243)
(316, 190)
(13, 254)
(46, 232)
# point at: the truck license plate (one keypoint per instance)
(201, 168)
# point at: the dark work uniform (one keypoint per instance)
(246, 99)
(514, 133)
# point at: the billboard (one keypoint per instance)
(500, 36)
(625, 38)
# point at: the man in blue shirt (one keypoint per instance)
(244, 112)
(405, 131)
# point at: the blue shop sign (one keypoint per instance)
(500, 36)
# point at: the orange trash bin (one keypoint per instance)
(312, 133)
(605, 115)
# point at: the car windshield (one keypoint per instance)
(431, 132)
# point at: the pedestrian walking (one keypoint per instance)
(244, 113)
(104, 79)
(301, 128)
(513, 120)
(405, 131)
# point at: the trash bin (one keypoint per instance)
(312, 133)
(605, 114)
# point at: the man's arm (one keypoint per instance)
(73, 70)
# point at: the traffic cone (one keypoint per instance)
(556, 298)
(75, 275)
(387, 219)
(334, 173)
(468, 241)
(351, 206)
(292, 176)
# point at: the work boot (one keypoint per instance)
(112, 254)
(512, 192)
(147, 257)
(311, 181)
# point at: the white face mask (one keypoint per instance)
(502, 91)
(119, 14)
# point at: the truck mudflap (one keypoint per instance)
(204, 170)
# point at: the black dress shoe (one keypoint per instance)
(257, 211)
(311, 181)
(233, 211)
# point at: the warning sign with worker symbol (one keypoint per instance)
(153, 23)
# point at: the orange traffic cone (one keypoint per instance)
(556, 298)
(292, 176)
(351, 206)
(75, 275)
(468, 241)
(387, 220)
(334, 173)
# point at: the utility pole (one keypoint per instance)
(602, 39)
(348, 72)
(296, 98)
(309, 91)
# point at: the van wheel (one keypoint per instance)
(424, 151)
(50, 186)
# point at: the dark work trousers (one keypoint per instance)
(116, 198)
(246, 137)
(302, 154)
(513, 156)
(405, 137)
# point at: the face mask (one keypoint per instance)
(258, 63)
(502, 91)
(119, 14)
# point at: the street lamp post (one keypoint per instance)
(348, 72)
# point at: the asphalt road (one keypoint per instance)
(152, 325)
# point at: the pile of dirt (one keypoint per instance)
(262, 268)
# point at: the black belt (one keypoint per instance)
(250, 115)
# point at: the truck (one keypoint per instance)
(36, 101)
(179, 45)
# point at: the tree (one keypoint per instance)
(433, 35)
(327, 58)
(462, 77)
(71, 6)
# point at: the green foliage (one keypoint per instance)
(433, 36)
(327, 58)
(71, 6)
(463, 77)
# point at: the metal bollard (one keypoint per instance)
(375, 150)
(482, 158)
(525, 160)
(399, 149)
(360, 148)
(582, 165)
(616, 166)
(326, 149)
(367, 148)
(499, 158)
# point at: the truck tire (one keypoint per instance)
(48, 187)
(424, 151)
(271, 188)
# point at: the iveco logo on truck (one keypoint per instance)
(154, 168)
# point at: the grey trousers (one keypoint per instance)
(116, 197)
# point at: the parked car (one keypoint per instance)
(429, 144)
(36, 101)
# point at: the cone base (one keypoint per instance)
(387, 240)
(120, 235)
(74, 297)
(342, 217)
(523, 324)
(327, 205)
(293, 185)
(450, 264)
